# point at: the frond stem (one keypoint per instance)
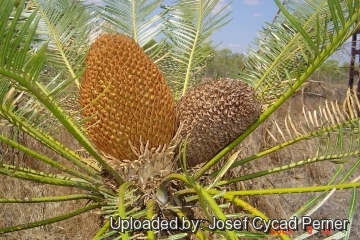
(134, 20)
(189, 65)
(50, 220)
(58, 44)
(51, 198)
(285, 144)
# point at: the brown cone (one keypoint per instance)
(213, 114)
(124, 97)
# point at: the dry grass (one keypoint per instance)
(277, 206)
(80, 227)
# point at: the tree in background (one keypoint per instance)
(224, 64)
(331, 72)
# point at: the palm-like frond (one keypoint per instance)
(298, 41)
(13, 40)
(335, 127)
(66, 25)
(65, 42)
(189, 30)
(134, 18)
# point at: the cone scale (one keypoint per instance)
(124, 98)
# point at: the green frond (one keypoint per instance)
(352, 210)
(45, 159)
(51, 220)
(134, 18)
(306, 33)
(66, 25)
(189, 30)
(17, 40)
(59, 37)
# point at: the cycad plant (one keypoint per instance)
(135, 176)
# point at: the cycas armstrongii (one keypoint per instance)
(230, 111)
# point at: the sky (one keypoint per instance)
(248, 16)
